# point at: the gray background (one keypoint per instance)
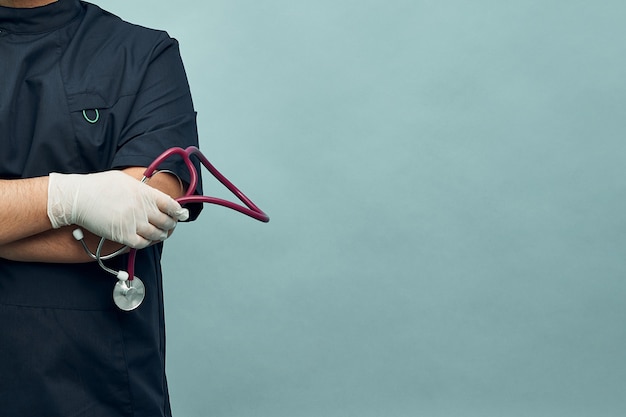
(447, 193)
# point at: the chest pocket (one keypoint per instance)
(97, 123)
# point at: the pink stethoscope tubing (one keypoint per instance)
(250, 209)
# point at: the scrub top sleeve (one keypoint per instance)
(162, 116)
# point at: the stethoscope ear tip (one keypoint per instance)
(78, 234)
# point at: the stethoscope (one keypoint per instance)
(129, 291)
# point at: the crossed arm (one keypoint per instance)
(26, 234)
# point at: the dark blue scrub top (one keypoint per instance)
(65, 349)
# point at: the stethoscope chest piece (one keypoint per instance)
(129, 294)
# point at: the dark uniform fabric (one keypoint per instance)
(82, 91)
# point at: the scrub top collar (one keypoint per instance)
(39, 19)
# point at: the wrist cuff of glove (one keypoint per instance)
(57, 209)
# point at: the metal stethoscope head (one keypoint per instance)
(129, 291)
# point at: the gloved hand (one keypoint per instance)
(113, 205)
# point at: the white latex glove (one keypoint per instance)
(113, 205)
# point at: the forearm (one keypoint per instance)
(23, 208)
(54, 246)
(59, 245)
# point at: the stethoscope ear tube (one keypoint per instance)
(128, 294)
(79, 236)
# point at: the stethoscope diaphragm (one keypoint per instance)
(129, 294)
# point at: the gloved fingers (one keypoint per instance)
(113, 205)
(182, 214)
(161, 220)
(151, 233)
(137, 242)
(172, 208)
